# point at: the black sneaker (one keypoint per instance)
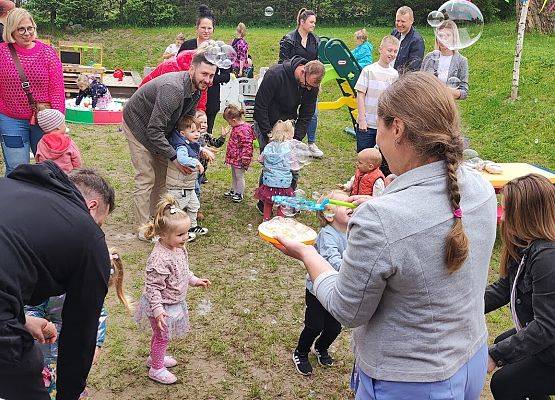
(198, 230)
(260, 207)
(229, 193)
(302, 365)
(323, 357)
(237, 198)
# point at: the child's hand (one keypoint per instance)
(342, 187)
(225, 130)
(203, 282)
(200, 168)
(161, 321)
(208, 155)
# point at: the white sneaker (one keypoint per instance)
(315, 151)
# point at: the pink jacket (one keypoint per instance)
(60, 149)
(239, 146)
(167, 277)
(44, 72)
(180, 63)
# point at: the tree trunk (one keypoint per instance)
(543, 22)
(518, 51)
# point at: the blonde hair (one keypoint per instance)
(390, 39)
(116, 276)
(529, 215)
(13, 19)
(185, 122)
(83, 80)
(404, 10)
(233, 112)
(180, 36)
(168, 215)
(452, 26)
(241, 29)
(432, 129)
(361, 35)
(333, 194)
(199, 113)
(373, 155)
(282, 131)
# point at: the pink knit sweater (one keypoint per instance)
(44, 71)
(167, 277)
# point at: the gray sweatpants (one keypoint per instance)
(238, 180)
(188, 202)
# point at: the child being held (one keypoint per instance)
(96, 90)
(372, 82)
(278, 163)
(51, 310)
(172, 50)
(363, 51)
(320, 327)
(239, 150)
(208, 143)
(162, 306)
(185, 140)
(55, 144)
(368, 178)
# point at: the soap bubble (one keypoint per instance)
(300, 154)
(249, 227)
(435, 18)
(453, 82)
(462, 24)
(316, 196)
(204, 307)
(289, 211)
(220, 54)
(269, 11)
(299, 193)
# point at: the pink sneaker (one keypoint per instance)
(162, 375)
(169, 362)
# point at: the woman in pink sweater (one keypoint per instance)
(46, 82)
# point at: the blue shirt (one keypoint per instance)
(330, 244)
(188, 153)
(363, 54)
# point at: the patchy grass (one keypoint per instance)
(242, 348)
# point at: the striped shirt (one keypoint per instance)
(373, 80)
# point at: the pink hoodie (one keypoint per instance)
(60, 149)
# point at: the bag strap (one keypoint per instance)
(25, 85)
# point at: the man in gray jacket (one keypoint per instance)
(149, 118)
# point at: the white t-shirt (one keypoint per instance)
(172, 49)
(373, 80)
(443, 68)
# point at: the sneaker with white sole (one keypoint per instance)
(315, 151)
(162, 375)
(191, 237)
(169, 362)
(198, 230)
(237, 198)
(323, 357)
(229, 193)
(302, 365)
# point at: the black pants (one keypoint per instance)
(529, 378)
(21, 365)
(210, 118)
(317, 321)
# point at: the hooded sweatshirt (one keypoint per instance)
(280, 96)
(51, 245)
(60, 149)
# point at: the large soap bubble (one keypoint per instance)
(269, 11)
(454, 82)
(220, 54)
(458, 24)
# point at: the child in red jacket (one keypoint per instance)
(56, 145)
(368, 178)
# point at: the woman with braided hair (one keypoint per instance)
(414, 273)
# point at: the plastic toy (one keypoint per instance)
(288, 228)
(118, 74)
(304, 204)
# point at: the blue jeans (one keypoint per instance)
(365, 139)
(18, 137)
(466, 384)
(312, 125)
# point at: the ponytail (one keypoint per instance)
(116, 277)
(167, 215)
(303, 14)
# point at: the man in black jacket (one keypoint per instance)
(51, 243)
(288, 91)
(411, 50)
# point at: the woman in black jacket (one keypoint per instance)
(304, 43)
(205, 30)
(526, 353)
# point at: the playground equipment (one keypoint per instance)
(342, 67)
(240, 91)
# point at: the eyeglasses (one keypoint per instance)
(308, 85)
(23, 30)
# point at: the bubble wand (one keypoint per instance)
(302, 203)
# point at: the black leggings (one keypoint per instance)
(529, 378)
(317, 321)
(210, 119)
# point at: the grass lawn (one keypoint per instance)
(241, 348)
